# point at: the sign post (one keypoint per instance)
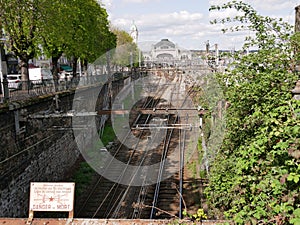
(47, 196)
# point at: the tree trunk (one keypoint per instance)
(74, 66)
(24, 73)
(55, 70)
(85, 62)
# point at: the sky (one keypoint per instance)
(187, 22)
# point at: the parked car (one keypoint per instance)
(14, 81)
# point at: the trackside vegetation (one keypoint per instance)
(255, 178)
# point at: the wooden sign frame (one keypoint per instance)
(51, 197)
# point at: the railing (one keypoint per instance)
(10, 92)
(24, 89)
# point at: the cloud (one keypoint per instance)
(157, 21)
(174, 25)
(271, 5)
(265, 5)
(190, 28)
(137, 1)
(107, 4)
(223, 14)
(262, 7)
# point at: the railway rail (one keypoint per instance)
(163, 199)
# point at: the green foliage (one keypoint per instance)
(78, 28)
(123, 37)
(82, 177)
(198, 216)
(108, 135)
(210, 97)
(127, 50)
(192, 166)
(19, 21)
(86, 33)
(296, 219)
(20, 25)
(89, 29)
(255, 177)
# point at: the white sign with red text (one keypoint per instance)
(47, 196)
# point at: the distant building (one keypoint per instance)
(166, 53)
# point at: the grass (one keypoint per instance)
(108, 134)
(193, 168)
(83, 176)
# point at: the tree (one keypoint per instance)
(122, 36)
(91, 36)
(127, 51)
(77, 28)
(54, 31)
(85, 35)
(255, 177)
(19, 21)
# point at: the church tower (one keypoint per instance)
(134, 32)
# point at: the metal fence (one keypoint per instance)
(25, 90)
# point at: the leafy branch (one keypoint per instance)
(255, 177)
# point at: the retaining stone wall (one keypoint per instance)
(50, 165)
(40, 152)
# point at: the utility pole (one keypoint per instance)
(296, 90)
(297, 19)
(216, 54)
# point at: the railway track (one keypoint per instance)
(105, 194)
(108, 199)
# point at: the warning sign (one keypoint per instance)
(51, 196)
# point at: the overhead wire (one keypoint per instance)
(97, 183)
